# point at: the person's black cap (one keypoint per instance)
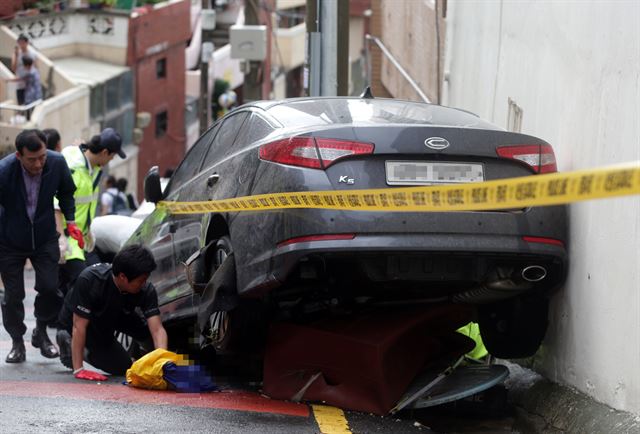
(111, 140)
(23, 37)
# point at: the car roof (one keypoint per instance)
(314, 111)
(267, 104)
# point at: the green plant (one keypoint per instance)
(44, 4)
(108, 3)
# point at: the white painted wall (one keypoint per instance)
(574, 68)
(78, 31)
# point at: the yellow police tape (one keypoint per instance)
(535, 190)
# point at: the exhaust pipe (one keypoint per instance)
(534, 273)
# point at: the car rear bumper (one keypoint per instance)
(441, 263)
(425, 242)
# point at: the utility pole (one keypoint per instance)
(207, 25)
(343, 48)
(329, 28)
(252, 90)
(328, 47)
(313, 56)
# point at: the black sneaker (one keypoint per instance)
(63, 338)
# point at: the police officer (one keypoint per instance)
(109, 298)
(85, 162)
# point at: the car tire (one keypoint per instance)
(514, 328)
(131, 346)
(240, 329)
(221, 250)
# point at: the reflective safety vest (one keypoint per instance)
(87, 180)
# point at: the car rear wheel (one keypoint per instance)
(236, 330)
(514, 328)
(218, 333)
(131, 346)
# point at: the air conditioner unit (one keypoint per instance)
(248, 42)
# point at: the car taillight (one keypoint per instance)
(315, 153)
(325, 237)
(543, 240)
(539, 157)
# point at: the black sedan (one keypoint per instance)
(303, 263)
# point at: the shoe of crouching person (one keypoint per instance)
(63, 338)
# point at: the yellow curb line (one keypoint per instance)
(331, 420)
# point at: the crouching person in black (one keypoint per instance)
(105, 299)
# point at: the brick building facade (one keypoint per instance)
(156, 54)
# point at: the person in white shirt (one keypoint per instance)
(113, 201)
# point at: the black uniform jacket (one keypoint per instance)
(96, 297)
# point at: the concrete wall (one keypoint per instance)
(101, 36)
(409, 32)
(67, 112)
(7, 88)
(290, 47)
(574, 69)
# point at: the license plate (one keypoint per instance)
(423, 173)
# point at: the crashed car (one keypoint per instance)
(302, 263)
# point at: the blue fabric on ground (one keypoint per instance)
(190, 378)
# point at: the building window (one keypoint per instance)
(123, 123)
(161, 124)
(113, 94)
(161, 68)
(126, 87)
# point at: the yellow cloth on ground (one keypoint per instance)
(146, 372)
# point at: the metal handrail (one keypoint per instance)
(16, 107)
(395, 63)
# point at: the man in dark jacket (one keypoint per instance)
(29, 179)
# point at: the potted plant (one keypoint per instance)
(101, 4)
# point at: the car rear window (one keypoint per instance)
(366, 112)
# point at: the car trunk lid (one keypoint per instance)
(435, 155)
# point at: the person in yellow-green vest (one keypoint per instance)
(85, 162)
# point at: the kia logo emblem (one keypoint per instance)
(437, 143)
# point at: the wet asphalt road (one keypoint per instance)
(41, 396)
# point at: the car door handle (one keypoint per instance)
(213, 179)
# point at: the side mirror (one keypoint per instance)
(152, 189)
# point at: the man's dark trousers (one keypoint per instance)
(48, 300)
(108, 354)
(70, 270)
(104, 351)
